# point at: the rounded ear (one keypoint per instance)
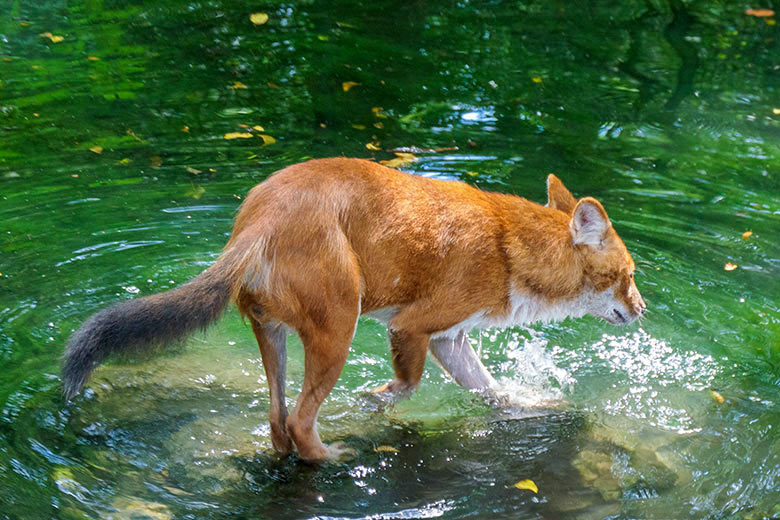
(589, 223)
(558, 197)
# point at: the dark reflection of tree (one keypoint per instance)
(675, 34)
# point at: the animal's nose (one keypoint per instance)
(640, 308)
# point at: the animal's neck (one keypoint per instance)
(543, 262)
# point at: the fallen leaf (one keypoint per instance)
(359, 127)
(378, 112)
(322, 38)
(389, 449)
(193, 170)
(746, 235)
(238, 84)
(770, 21)
(93, 58)
(185, 128)
(96, 149)
(717, 396)
(271, 84)
(195, 192)
(156, 161)
(379, 124)
(52, 37)
(36, 114)
(472, 174)
(125, 161)
(760, 13)
(348, 85)
(373, 146)
(536, 79)
(401, 160)
(267, 139)
(776, 111)
(258, 18)
(729, 266)
(527, 484)
(238, 135)
(258, 128)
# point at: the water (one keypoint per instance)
(665, 112)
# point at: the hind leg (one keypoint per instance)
(272, 340)
(326, 352)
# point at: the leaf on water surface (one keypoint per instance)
(527, 484)
(472, 174)
(193, 170)
(267, 139)
(401, 160)
(258, 128)
(760, 13)
(96, 149)
(195, 191)
(348, 85)
(258, 18)
(156, 161)
(54, 38)
(536, 79)
(388, 449)
(93, 58)
(238, 85)
(373, 146)
(717, 396)
(238, 135)
(359, 127)
(729, 266)
(776, 111)
(185, 128)
(378, 112)
(125, 161)
(746, 235)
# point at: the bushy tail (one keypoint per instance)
(141, 324)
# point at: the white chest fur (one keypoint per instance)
(524, 309)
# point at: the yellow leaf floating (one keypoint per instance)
(238, 84)
(348, 85)
(185, 128)
(52, 37)
(258, 128)
(378, 112)
(746, 235)
(238, 135)
(472, 174)
(717, 396)
(536, 79)
(96, 149)
(388, 449)
(776, 111)
(193, 170)
(760, 13)
(402, 159)
(527, 484)
(729, 266)
(359, 127)
(93, 58)
(258, 18)
(373, 146)
(267, 139)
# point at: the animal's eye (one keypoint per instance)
(631, 275)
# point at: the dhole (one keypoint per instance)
(322, 242)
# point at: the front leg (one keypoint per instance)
(459, 361)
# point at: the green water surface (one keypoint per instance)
(116, 180)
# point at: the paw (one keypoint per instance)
(395, 387)
(338, 452)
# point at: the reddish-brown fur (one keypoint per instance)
(321, 242)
